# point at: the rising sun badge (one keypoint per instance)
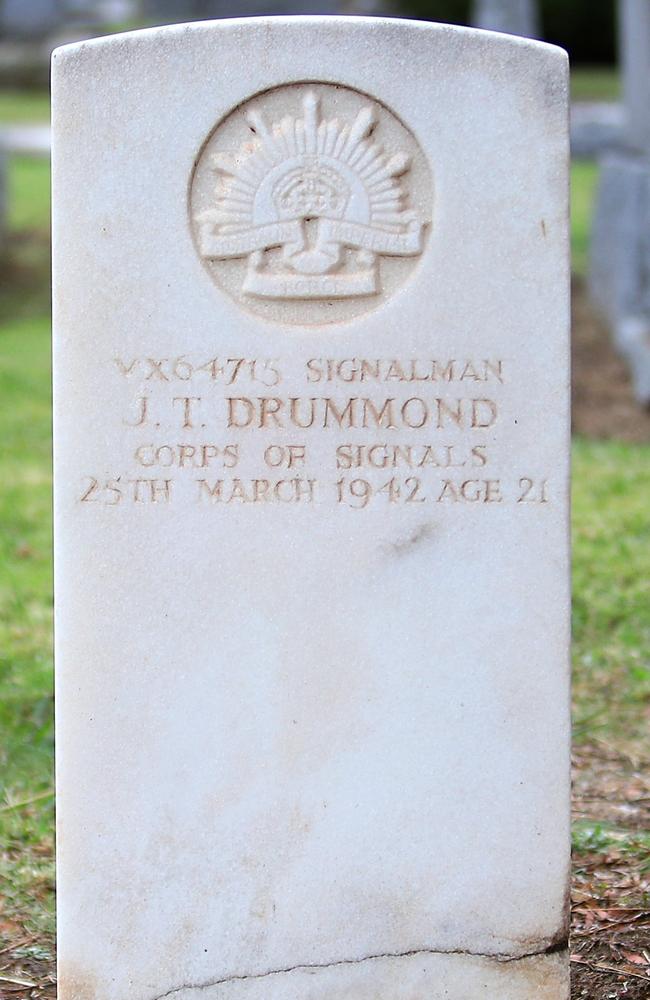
(311, 201)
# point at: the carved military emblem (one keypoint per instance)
(309, 201)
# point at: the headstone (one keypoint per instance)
(311, 341)
(102, 11)
(514, 17)
(635, 38)
(596, 128)
(620, 246)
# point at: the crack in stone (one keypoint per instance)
(358, 961)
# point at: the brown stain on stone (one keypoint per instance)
(73, 983)
(534, 945)
(537, 972)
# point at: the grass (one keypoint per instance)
(584, 180)
(611, 601)
(611, 556)
(26, 744)
(26, 625)
(599, 837)
(595, 83)
(24, 278)
(24, 107)
(29, 193)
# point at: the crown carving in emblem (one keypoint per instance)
(312, 202)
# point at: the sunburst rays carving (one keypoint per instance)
(312, 202)
(364, 181)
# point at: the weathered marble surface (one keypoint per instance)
(312, 720)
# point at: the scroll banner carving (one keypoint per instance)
(331, 231)
(333, 234)
(241, 244)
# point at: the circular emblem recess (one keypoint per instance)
(310, 203)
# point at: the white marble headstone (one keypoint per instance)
(311, 340)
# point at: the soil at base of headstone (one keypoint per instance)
(603, 401)
(590, 984)
(610, 886)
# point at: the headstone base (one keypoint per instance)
(402, 977)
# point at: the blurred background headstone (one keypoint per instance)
(514, 17)
(620, 251)
(635, 57)
(109, 12)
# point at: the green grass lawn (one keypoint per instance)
(26, 745)
(595, 83)
(584, 180)
(611, 556)
(24, 106)
(29, 193)
(611, 591)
